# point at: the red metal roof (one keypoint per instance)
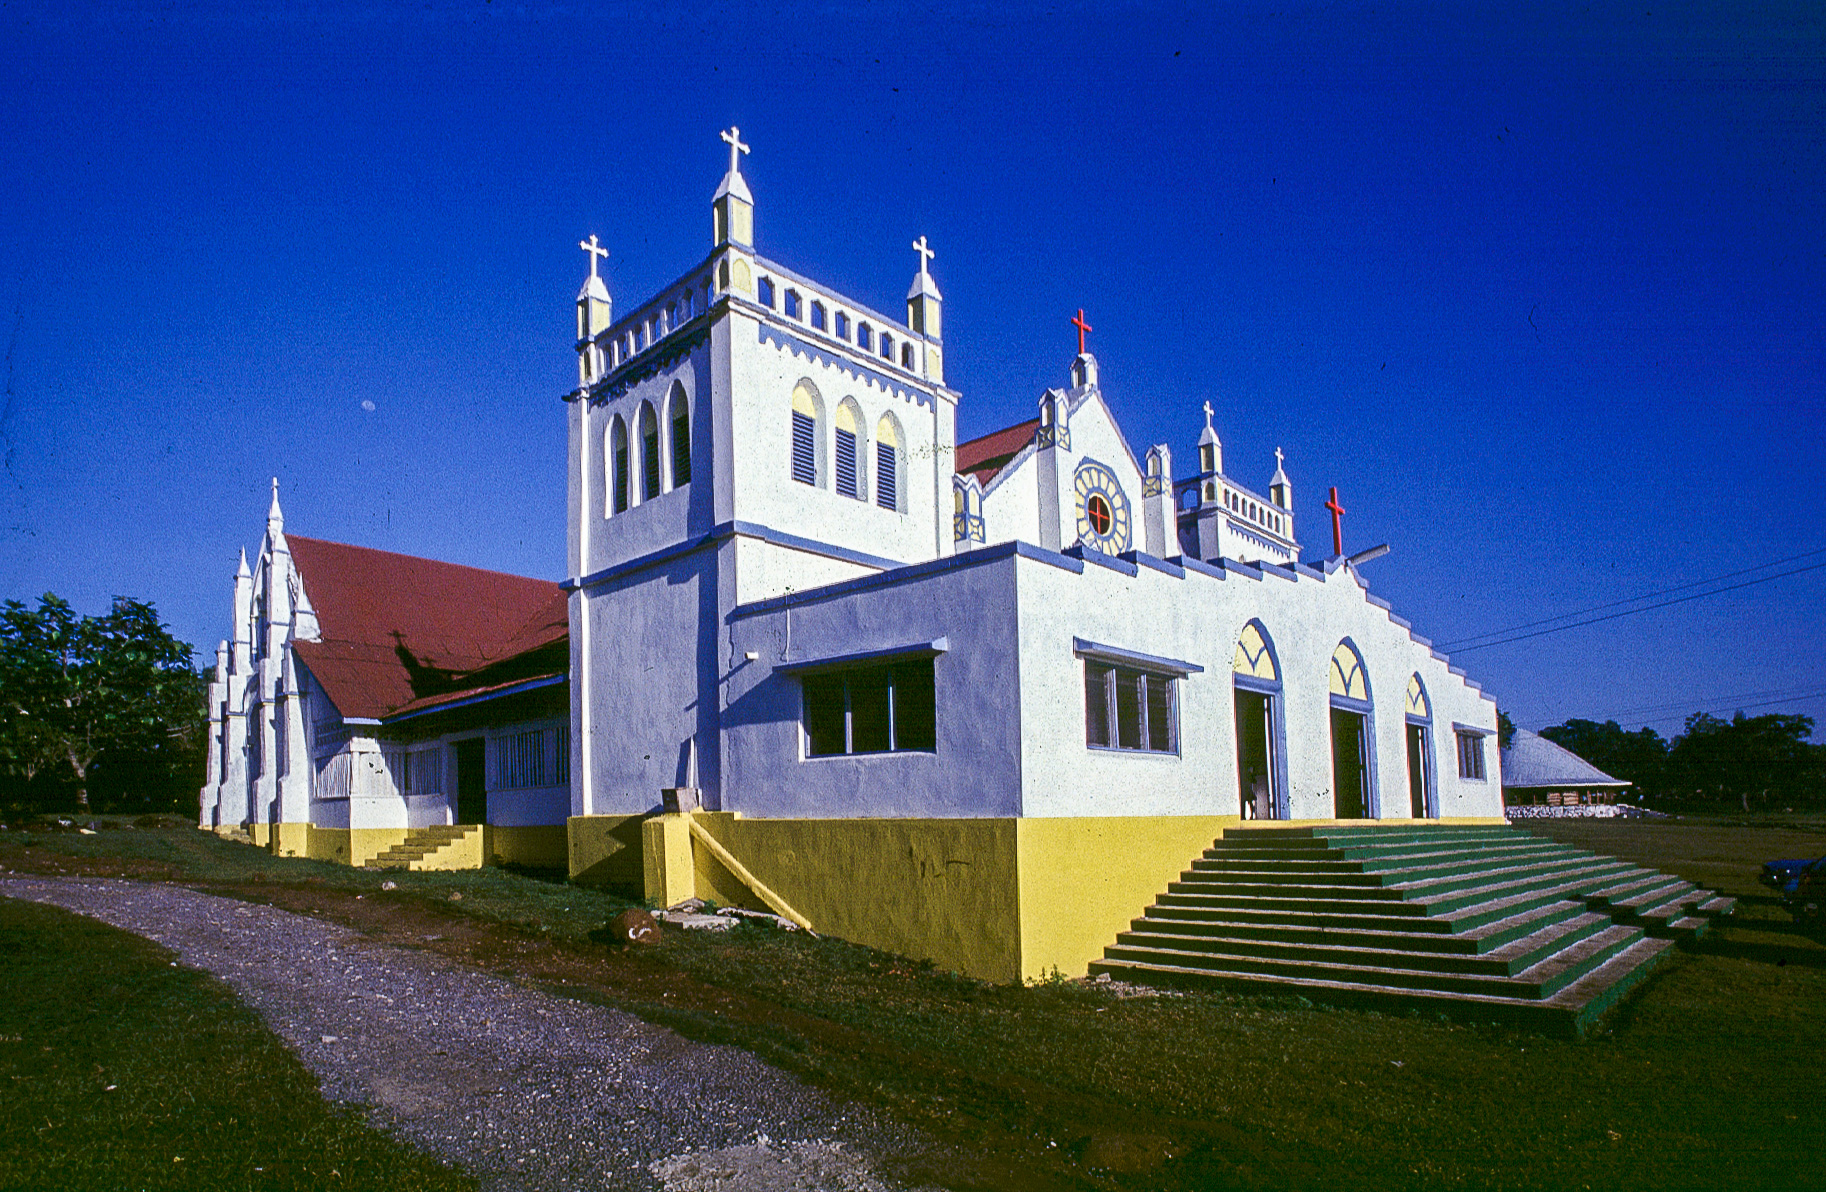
(397, 629)
(986, 456)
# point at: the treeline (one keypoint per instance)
(1746, 763)
(102, 713)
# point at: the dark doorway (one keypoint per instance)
(1417, 771)
(471, 783)
(1255, 753)
(1349, 764)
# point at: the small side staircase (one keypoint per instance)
(1469, 921)
(419, 844)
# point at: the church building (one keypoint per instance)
(975, 702)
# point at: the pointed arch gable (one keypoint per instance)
(1419, 705)
(1255, 657)
(1349, 679)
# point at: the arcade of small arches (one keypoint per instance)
(836, 454)
(642, 461)
(835, 323)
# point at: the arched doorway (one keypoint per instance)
(1351, 747)
(1422, 801)
(1256, 677)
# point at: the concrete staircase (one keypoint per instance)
(421, 844)
(1474, 922)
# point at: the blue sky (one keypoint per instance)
(1541, 292)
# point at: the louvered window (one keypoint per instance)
(649, 458)
(846, 463)
(805, 462)
(887, 478)
(681, 445)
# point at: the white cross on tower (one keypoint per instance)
(1208, 412)
(736, 148)
(925, 254)
(1278, 459)
(595, 250)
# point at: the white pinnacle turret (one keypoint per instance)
(275, 520)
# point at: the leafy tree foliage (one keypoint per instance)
(97, 702)
(1751, 763)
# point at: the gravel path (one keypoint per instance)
(522, 1089)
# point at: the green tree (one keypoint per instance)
(1638, 758)
(1752, 761)
(75, 688)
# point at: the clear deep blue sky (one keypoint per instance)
(1542, 293)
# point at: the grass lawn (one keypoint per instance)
(120, 1070)
(1706, 1078)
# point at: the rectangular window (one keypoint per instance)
(817, 316)
(1471, 755)
(871, 709)
(846, 462)
(1129, 709)
(536, 757)
(621, 478)
(843, 325)
(805, 463)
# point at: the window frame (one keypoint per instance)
(1473, 765)
(1111, 667)
(848, 679)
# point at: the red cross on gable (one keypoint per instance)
(1082, 327)
(1337, 522)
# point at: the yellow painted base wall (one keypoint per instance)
(1084, 879)
(353, 846)
(544, 847)
(604, 850)
(944, 890)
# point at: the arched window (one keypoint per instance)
(818, 315)
(887, 463)
(906, 356)
(1423, 802)
(1352, 748)
(649, 452)
(1256, 679)
(792, 304)
(681, 437)
(865, 339)
(686, 304)
(844, 440)
(842, 324)
(887, 346)
(807, 409)
(618, 465)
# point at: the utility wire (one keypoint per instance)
(1637, 599)
(1734, 707)
(1522, 637)
(1799, 691)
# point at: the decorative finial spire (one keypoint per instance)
(243, 572)
(275, 519)
(595, 250)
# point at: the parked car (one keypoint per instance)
(1801, 883)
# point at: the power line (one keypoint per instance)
(1522, 637)
(1734, 707)
(1461, 642)
(1777, 694)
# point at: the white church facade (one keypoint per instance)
(974, 702)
